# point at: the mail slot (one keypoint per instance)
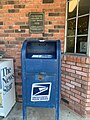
(41, 72)
(45, 50)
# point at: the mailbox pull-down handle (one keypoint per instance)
(41, 75)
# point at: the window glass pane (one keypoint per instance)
(81, 45)
(83, 25)
(70, 44)
(71, 26)
(84, 7)
(72, 8)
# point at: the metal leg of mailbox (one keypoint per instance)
(24, 113)
(57, 112)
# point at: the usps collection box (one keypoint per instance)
(7, 86)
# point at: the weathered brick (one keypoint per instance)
(54, 14)
(88, 108)
(4, 35)
(85, 78)
(48, 22)
(1, 6)
(70, 63)
(82, 65)
(78, 59)
(13, 10)
(83, 103)
(85, 69)
(80, 97)
(63, 69)
(88, 92)
(1, 23)
(88, 104)
(81, 90)
(65, 65)
(2, 42)
(75, 91)
(76, 76)
(75, 59)
(47, 35)
(88, 60)
(59, 26)
(85, 87)
(66, 87)
(81, 82)
(75, 83)
(83, 60)
(70, 70)
(88, 96)
(69, 92)
(48, 1)
(67, 95)
(20, 23)
(63, 76)
(62, 89)
(66, 80)
(81, 73)
(19, 6)
(88, 79)
(9, 31)
(62, 82)
(19, 31)
(83, 95)
(24, 27)
(11, 2)
(53, 30)
(70, 85)
(76, 68)
(62, 93)
(70, 78)
(75, 99)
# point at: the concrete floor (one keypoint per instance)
(42, 114)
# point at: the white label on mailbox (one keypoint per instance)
(41, 91)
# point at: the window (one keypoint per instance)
(77, 26)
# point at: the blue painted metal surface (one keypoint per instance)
(41, 75)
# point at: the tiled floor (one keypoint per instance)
(42, 114)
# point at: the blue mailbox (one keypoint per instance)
(41, 72)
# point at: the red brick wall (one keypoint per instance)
(14, 28)
(75, 87)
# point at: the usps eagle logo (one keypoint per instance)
(41, 91)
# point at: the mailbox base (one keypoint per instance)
(57, 112)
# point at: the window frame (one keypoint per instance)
(76, 35)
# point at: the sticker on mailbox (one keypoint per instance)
(41, 91)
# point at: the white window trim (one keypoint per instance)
(65, 29)
(88, 41)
